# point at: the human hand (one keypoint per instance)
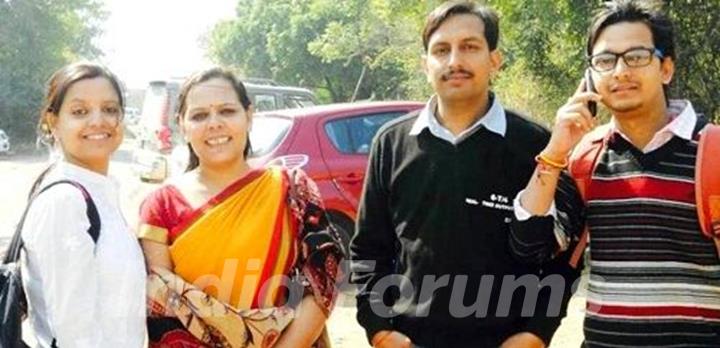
(391, 339)
(572, 121)
(523, 340)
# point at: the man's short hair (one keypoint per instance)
(635, 11)
(452, 8)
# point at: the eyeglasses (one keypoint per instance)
(634, 58)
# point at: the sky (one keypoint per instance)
(157, 39)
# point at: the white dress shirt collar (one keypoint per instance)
(494, 120)
(682, 119)
(80, 174)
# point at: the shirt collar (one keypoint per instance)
(682, 118)
(494, 120)
(83, 175)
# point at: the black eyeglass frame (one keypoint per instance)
(652, 51)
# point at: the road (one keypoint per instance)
(19, 172)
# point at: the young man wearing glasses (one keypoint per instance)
(654, 278)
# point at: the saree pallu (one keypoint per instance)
(235, 260)
(210, 322)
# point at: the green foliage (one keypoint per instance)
(327, 45)
(542, 42)
(697, 71)
(38, 37)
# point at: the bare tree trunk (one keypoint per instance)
(333, 93)
(359, 83)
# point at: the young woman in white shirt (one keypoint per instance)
(81, 292)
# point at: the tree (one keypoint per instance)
(38, 37)
(372, 48)
(383, 36)
(321, 44)
(697, 74)
(269, 39)
(544, 45)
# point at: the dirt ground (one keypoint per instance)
(18, 172)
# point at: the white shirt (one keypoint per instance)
(682, 123)
(494, 120)
(80, 293)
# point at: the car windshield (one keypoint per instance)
(267, 133)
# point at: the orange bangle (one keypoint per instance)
(541, 158)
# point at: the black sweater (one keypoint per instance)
(431, 208)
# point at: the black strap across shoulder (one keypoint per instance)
(13, 253)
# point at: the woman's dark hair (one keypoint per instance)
(203, 76)
(57, 87)
(453, 8)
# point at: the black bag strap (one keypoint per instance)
(13, 253)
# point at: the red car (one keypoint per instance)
(331, 143)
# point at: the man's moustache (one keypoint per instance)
(446, 76)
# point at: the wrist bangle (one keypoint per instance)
(542, 159)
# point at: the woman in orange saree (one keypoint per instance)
(237, 257)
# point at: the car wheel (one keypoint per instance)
(345, 228)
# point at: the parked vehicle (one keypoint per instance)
(4, 143)
(330, 142)
(132, 115)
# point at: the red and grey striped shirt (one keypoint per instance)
(654, 278)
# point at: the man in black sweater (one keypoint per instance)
(432, 252)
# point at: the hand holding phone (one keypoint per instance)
(573, 120)
(590, 87)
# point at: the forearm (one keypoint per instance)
(368, 268)
(531, 233)
(559, 280)
(572, 121)
(306, 327)
(157, 255)
(373, 248)
(538, 196)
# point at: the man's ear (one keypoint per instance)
(667, 70)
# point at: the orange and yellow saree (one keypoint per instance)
(241, 261)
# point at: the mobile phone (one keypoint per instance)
(590, 87)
